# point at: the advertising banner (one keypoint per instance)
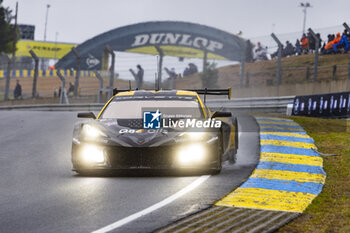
(178, 39)
(43, 49)
(323, 105)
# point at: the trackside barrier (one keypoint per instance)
(268, 104)
(259, 104)
(55, 107)
(44, 73)
(322, 105)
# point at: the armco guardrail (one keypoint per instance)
(256, 104)
(54, 107)
(263, 104)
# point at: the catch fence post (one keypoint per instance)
(77, 75)
(205, 56)
(36, 68)
(279, 56)
(241, 70)
(205, 59)
(247, 79)
(172, 81)
(242, 65)
(349, 67)
(112, 69)
(348, 82)
(8, 77)
(99, 77)
(160, 64)
(63, 94)
(317, 46)
(348, 28)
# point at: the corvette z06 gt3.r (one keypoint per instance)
(166, 129)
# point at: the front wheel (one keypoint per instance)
(232, 156)
(220, 152)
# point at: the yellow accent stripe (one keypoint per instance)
(267, 199)
(279, 123)
(177, 51)
(301, 177)
(202, 106)
(125, 93)
(298, 135)
(278, 127)
(287, 143)
(186, 93)
(99, 115)
(293, 159)
(232, 137)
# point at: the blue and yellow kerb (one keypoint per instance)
(289, 174)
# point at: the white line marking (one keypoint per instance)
(154, 207)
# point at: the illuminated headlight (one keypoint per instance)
(191, 154)
(92, 132)
(194, 136)
(93, 154)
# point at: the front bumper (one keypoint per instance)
(160, 157)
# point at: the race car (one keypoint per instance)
(159, 129)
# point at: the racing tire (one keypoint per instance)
(232, 156)
(220, 150)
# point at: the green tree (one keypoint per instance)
(6, 30)
(210, 76)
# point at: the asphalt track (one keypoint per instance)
(40, 193)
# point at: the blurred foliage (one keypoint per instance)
(6, 29)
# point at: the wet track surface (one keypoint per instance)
(40, 193)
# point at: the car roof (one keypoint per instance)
(140, 93)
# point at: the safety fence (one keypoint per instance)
(49, 84)
(292, 75)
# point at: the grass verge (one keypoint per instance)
(330, 211)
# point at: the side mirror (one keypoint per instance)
(86, 115)
(221, 114)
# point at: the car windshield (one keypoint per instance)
(133, 109)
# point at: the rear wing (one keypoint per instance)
(206, 92)
(116, 90)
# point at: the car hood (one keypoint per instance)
(136, 137)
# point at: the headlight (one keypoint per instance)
(191, 154)
(93, 154)
(194, 136)
(92, 132)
